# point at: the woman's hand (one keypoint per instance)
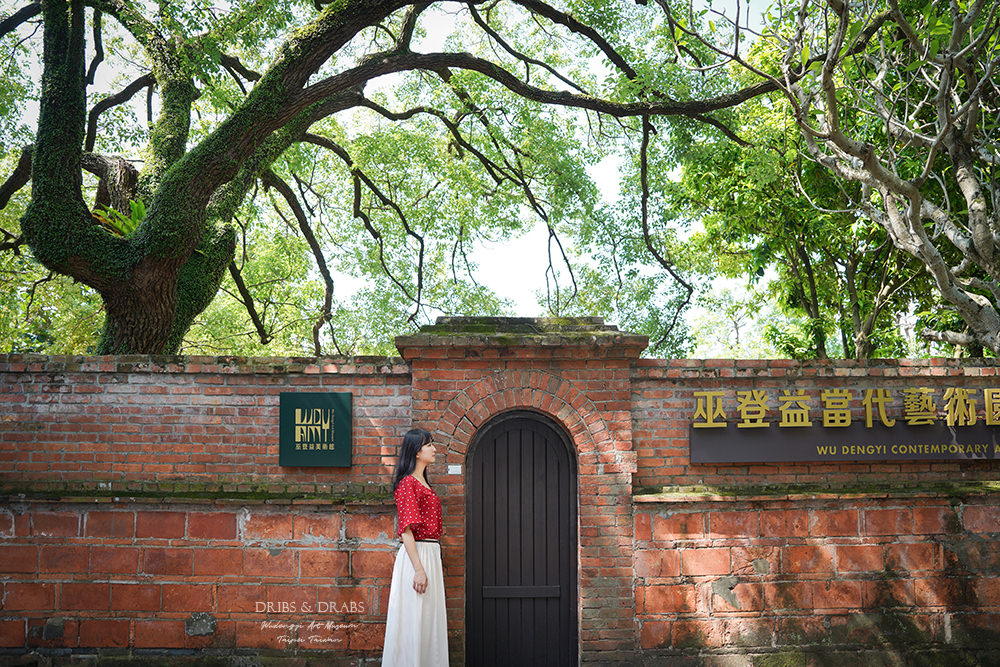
(420, 581)
(419, 575)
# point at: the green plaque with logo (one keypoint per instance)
(315, 429)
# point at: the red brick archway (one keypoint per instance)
(526, 390)
(605, 467)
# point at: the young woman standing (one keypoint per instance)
(416, 630)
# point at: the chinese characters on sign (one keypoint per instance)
(315, 429)
(909, 423)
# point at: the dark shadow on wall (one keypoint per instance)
(946, 616)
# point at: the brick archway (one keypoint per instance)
(605, 466)
(526, 390)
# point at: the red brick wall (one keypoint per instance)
(210, 577)
(663, 405)
(179, 434)
(880, 576)
(159, 442)
(811, 576)
(183, 423)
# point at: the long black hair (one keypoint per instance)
(407, 463)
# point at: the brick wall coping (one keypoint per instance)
(227, 365)
(367, 365)
(735, 495)
(547, 332)
(773, 368)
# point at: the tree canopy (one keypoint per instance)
(278, 146)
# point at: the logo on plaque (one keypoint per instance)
(315, 429)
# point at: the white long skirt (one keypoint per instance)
(416, 628)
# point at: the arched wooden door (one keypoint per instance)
(521, 537)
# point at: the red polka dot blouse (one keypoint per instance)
(419, 508)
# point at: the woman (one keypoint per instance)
(416, 630)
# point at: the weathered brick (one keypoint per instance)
(64, 558)
(151, 633)
(837, 595)
(12, 633)
(161, 525)
(935, 520)
(326, 563)
(174, 561)
(110, 524)
(679, 526)
(906, 558)
(135, 597)
(859, 558)
(807, 559)
(211, 525)
(372, 563)
(269, 563)
(104, 632)
(55, 524)
(240, 598)
(29, 596)
(268, 527)
(655, 634)
(982, 518)
(85, 596)
(833, 523)
(788, 595)
(666, 599)
(317, 528)
(370, 527)
(186, 597)
(705, 561)
(114, 560)
(657, 563)
(734, 524)
(888, 522)
(784, 523)
(209, 561)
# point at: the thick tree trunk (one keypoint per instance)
(140, 316)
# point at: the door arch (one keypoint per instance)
(521, 544)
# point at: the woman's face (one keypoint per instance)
(426, 453)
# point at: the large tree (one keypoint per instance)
(157, 241)
(901, 100)
(767, 210)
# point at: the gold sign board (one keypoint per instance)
(844, 425)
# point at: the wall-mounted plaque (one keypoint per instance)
(315, 429)
(842, 424)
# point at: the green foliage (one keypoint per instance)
(470, 164)
(121, 224)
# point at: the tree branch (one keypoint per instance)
(98, 50)
(517, 54)
(660, 106)
(19, 178)
(950, 337)
(271, 180)
(647, 237)
(113, 100)
(247, 302)
(20, 16)
(118, 181)
(579, 28)
(57, 223)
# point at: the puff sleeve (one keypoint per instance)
(407, 505)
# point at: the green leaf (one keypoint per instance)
(935, 47)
